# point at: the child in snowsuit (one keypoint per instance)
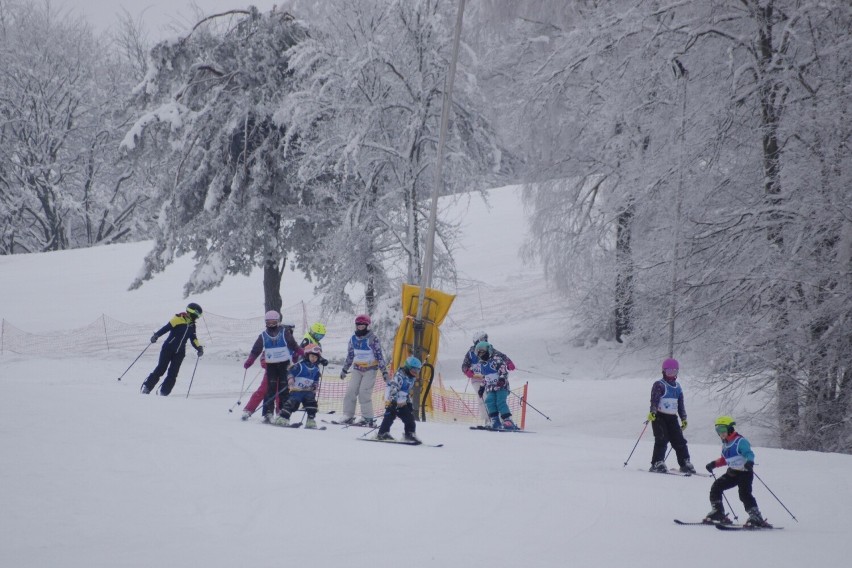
(313, 336)
(181, 329)
(738, 456)
(364, 355)
(476, 381)
(398, 401)
(303, 380)
(278, 346)
(666, 405)
(494, 368)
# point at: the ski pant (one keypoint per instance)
(257, 396)
(170, 360)
(667, 430)
(495, 403)
(361, 383)
(733, 478)
(276, 387)
(308, 399)
(405, 413)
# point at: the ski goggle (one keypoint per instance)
(318, 336)
(721, 429)
(193, 313)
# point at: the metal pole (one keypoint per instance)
(429, 253)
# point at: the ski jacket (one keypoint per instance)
(667, 397)
(303, 376)
(494, 372)
(736, 451)
(399, 387)
(180, 329)
(277, 345)
(365, 353)
(470, 359)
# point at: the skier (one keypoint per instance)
(303, 380)
(278, 347)
(364, 354)
(494, 368)
(398, 401)
(313, 336)
(180, 328)
(666, 405)
(476, 381)
(737, 454)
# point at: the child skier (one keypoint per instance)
(398, 401)
(737, 454)
(364, 354)
(666, 404)
(494, 368)
(180, 329)
(476, 380)
(303, 380)
(278, 347)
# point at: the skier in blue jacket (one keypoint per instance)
(181, 329)
(303, 381)
(493, 366)
(739, 457)
(398, 401)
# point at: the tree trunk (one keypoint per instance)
(624, 279)
(272, 284)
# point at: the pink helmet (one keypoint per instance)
(670, 364)
(313, 349)
(363, 319)
(272, 315)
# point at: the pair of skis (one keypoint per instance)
(722, 527)
(490, 429)
(403, 442)
(295, 425)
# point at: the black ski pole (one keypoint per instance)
(636, 444)
(387, 411)
(530, 405)
(134, 361)
(776, 498)
(725, 497)
(193, 376)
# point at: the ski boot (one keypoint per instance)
(509, 425)
(687, 467)
(496, 424)
(717, 516)
(281, 421)
(267, 419)
(310, 424)
(384, 436)
(364, 422)
(659, 467)
(145, 390)
(349, 420)
(755, 519)
(410, 437)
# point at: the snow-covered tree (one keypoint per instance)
(365, 123)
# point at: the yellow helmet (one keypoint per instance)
(725, 424)
(317, 329)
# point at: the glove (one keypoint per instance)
(390, 404)
(481, 391)
(385, 377)
(749, 466)
(501, 383)
(299, 353)
(248, 363)
(652, 416)
(510, 365)
(683, 424)
(154, 338)
(468, 374)
(263, 362)
(343, 374)
(710, 466)
(200, 351)
(323, 362)
(291, 384)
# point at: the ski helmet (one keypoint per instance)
(363, 319)
(479, 336)
(317, 330)
(671, 364)
(483, 350)
(413, 364)
(313, 349)
(194, 310)
(272, 318)
(725, 424)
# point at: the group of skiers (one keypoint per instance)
(667, 404)
(293, 377)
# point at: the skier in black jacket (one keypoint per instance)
(180, 328)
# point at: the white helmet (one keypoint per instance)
(479, 336)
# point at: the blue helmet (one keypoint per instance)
(413, 363)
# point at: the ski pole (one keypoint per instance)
(725, 497)
(387, 411)
(776, 497)
(636, 444)
(463, 403)
(193, 376)
(530, 405)
(242, 393)
(134, 361)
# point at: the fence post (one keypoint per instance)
(524, 406)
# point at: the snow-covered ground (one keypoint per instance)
(94, 474)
